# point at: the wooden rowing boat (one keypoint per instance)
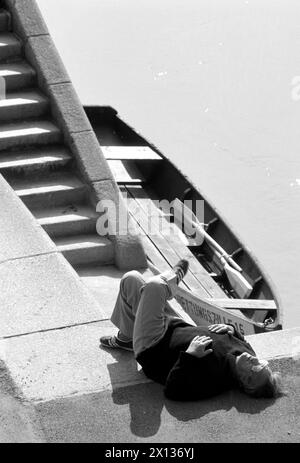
(149, 182)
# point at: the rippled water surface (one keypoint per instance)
(214, 85)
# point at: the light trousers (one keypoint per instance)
(140, 309)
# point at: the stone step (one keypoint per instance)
(39, 132)
(32, 159)
(67, 221)
(56, 189)
(17, 75)
(86, 249)
(4, 20)
(10, 46)
(23, 105)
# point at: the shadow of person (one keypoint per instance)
(232, 399)
(146, 402)
(250, 405)
(192, 410)
(146, 399)
(130, 386)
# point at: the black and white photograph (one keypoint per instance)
(149, 225)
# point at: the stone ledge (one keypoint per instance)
(43, 56)
(43, 293)
(91, 161)
(60, 363)
(67, 109)
(27, 20)
(129, 251)
(277, 344)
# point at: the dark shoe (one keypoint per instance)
(181, 269)
(113, 342)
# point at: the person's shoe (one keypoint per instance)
(113, 342)
(181, 269)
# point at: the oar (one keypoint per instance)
(239, 283)
(233, 271)
(191, 219)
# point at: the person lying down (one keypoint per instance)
(192, 362)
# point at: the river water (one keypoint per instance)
(215, 85)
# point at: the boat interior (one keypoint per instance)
(150, 182)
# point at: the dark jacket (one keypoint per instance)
(185, 376)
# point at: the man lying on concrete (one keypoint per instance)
(193, 362)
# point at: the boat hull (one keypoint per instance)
(145, 175)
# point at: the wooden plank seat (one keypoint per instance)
(130, 164)
(245, 304)
(126, 173)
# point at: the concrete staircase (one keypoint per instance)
(37, 164)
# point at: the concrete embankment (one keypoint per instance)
(49, 153)
(67, 389)
(76, 392)
(56, 385)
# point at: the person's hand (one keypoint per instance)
(198, 346)
(221, 328)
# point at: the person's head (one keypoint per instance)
(256, 377)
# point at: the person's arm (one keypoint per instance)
(183, 380)
(222, 328)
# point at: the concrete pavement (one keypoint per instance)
(140, 413)
(67, 389)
